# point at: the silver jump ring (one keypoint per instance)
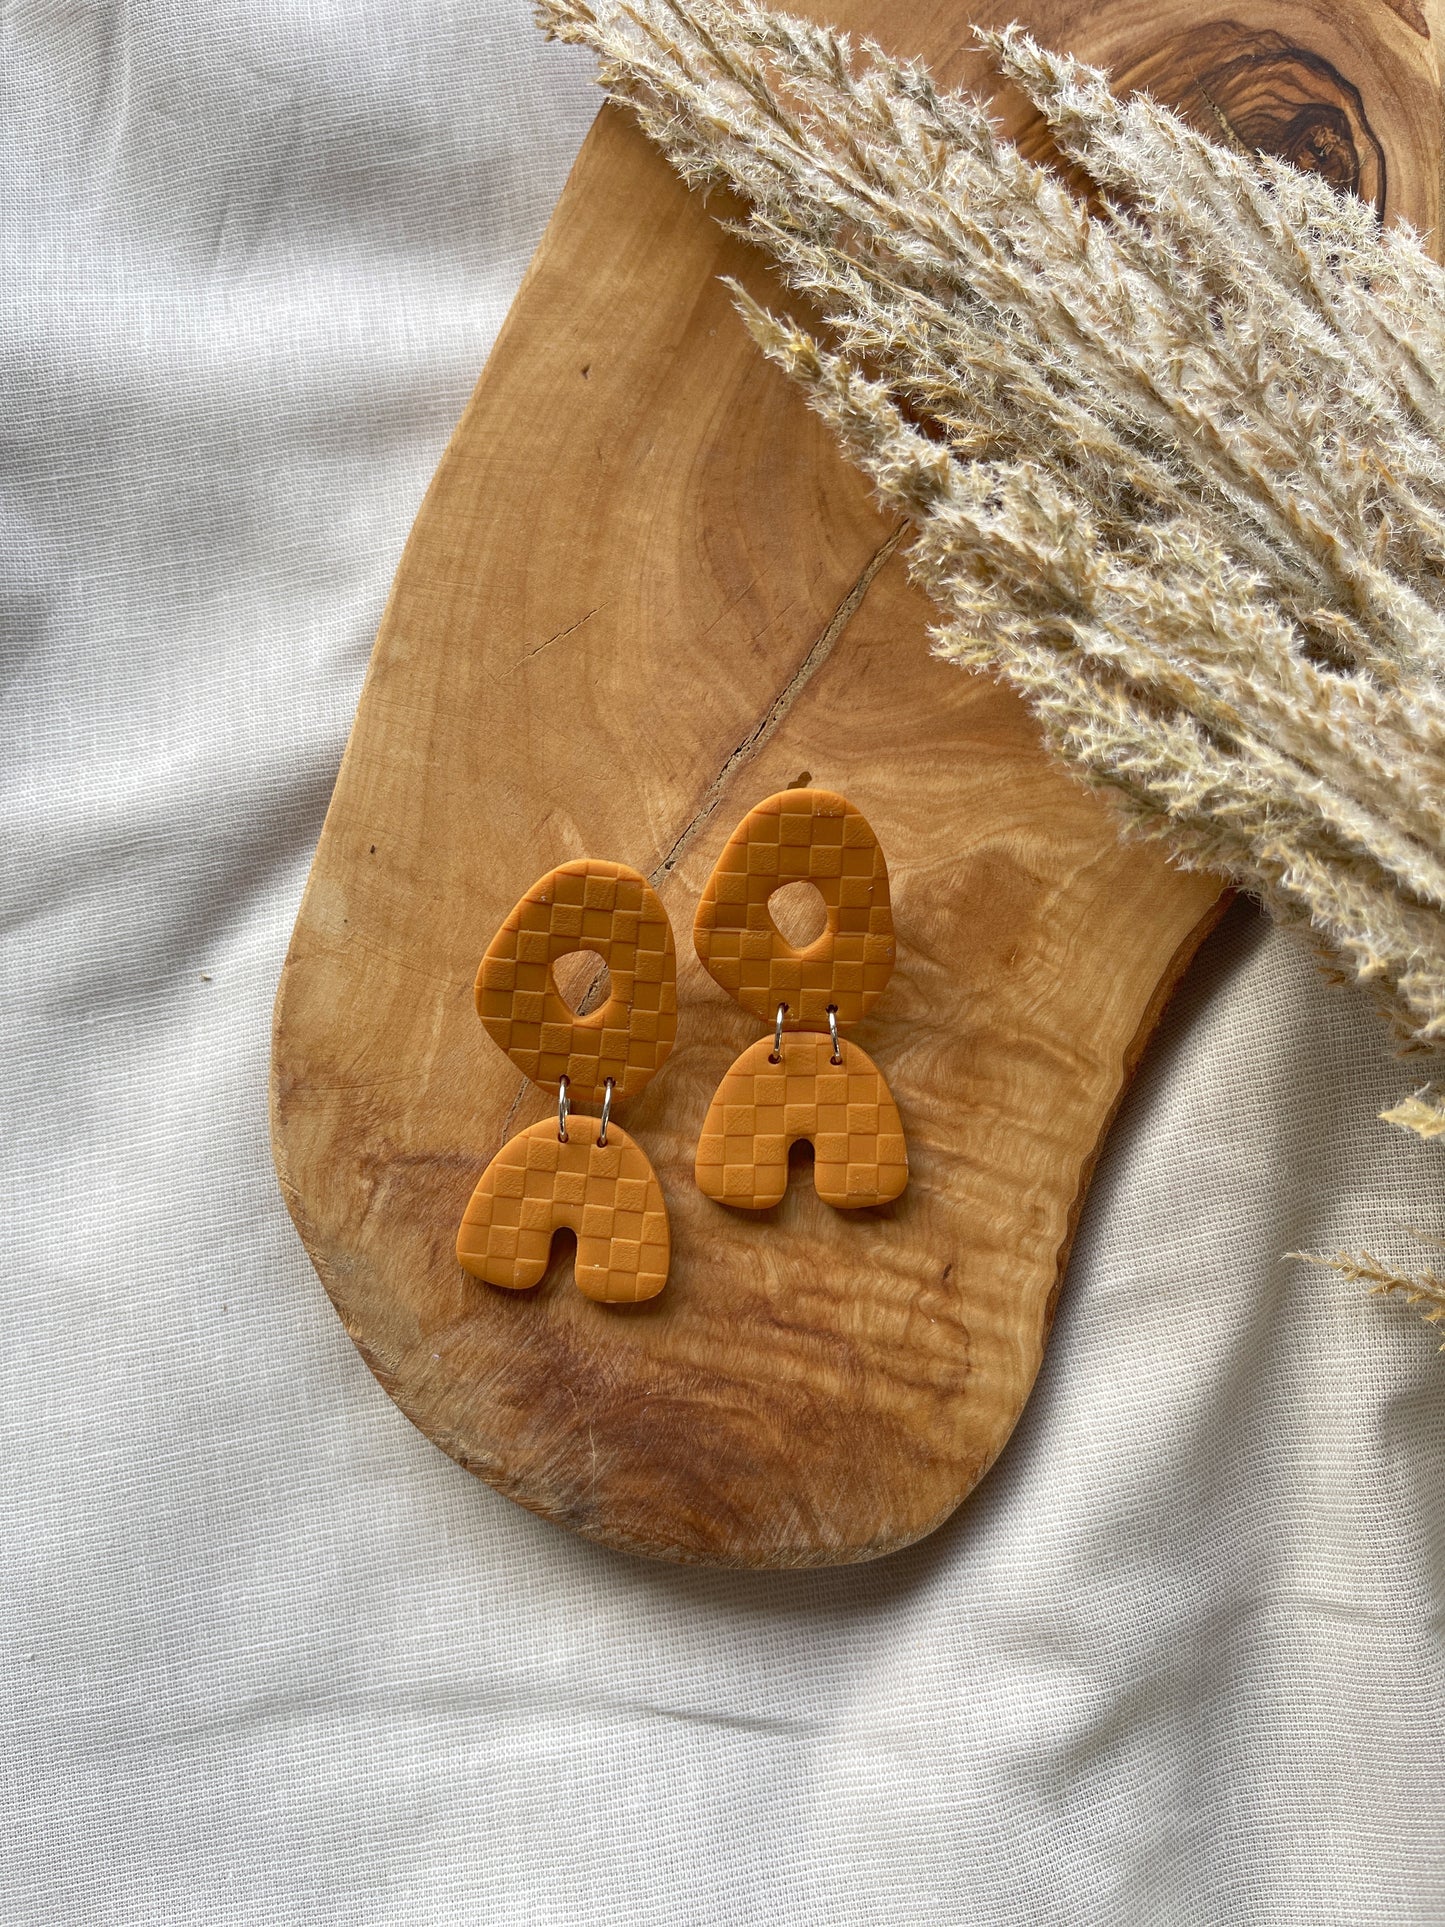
(607, 1090)
(564, 1108)
(777, 1056)
(837, 1056)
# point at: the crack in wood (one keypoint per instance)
(561, 634)
(512, 1109)
(767, 728)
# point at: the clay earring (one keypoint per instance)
(803, 1081)
(582, 1172)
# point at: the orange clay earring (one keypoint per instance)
(810, 1086)
(584, 1173)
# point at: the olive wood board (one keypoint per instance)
(644, 591)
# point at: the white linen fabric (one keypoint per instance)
(268, 1655)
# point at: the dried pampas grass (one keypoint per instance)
(1424, 1290)
(1174, 460)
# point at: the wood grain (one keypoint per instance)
(643, 593)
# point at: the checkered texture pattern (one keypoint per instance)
(844, 1110)
(608, 1194)
(810, 835)
(584, 905)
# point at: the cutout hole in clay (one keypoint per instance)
(799, 912)
(584, 982)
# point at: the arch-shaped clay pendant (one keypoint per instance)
(844, 1110)
(812, 836)
(608, 1194)
(588, 904)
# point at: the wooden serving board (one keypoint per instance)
(643, 593)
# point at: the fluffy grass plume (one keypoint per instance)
(1174, 457)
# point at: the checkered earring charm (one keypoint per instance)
(581, 1172)
(810, 1086)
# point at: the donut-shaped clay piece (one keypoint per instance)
(588, 904)
(799, 835)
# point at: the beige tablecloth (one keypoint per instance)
(268, 1656)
